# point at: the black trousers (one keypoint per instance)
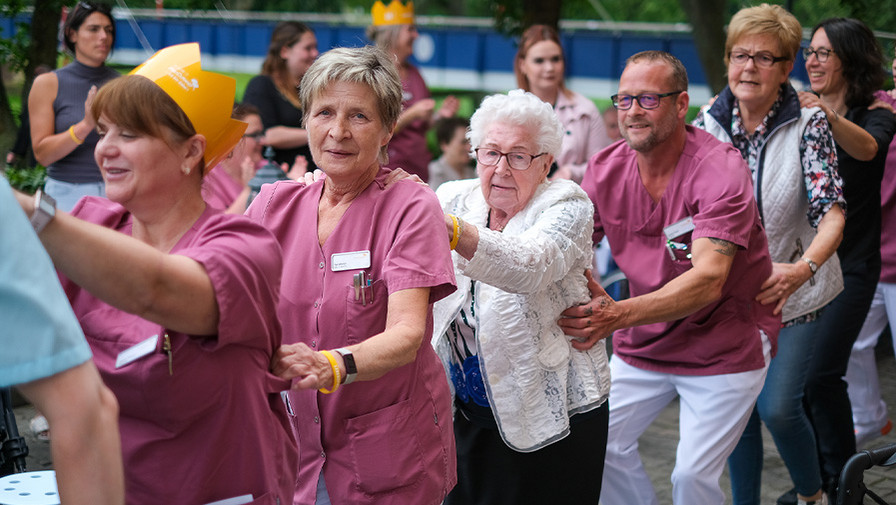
(826, 396)
(567, 471)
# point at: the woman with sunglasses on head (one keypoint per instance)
(845, 67)
(293, 48)
(791, 155)
(62, 127)
(539, 67)
(531, 410)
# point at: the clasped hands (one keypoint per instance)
(593, 321)
(309, 368)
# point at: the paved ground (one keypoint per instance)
(657, 449)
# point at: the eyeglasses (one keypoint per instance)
(647, 101)
(821, 54)
(516, 160)
(762, 59)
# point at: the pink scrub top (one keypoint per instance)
(712, 185)
(209, 424)
(888, 208)
(408, 149)
(219, 189)
(391, 440)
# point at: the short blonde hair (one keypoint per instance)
(366, 65)
(766, 19)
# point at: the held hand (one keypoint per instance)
(593, 321)
(892, 93)
(880, 104)
(398, 174)
(297, 361)
(785, 279)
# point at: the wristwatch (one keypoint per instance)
(351, 371)
(44, 210)
(813, 267)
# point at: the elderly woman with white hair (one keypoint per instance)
(531, 410)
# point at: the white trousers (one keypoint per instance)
(869, 411)
(714, 413)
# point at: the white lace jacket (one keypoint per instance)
(527, 276)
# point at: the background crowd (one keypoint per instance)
(357, 335)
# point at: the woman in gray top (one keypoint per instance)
(61, 130)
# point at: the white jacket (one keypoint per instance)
(527, 276)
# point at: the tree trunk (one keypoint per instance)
(707, 18)
(44, 41)
(542, 12)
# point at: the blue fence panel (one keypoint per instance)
(684, 49)
(461, 49)
(256, 37)
(227, 39)
(499, 52)
(204, 33)
(592, 55)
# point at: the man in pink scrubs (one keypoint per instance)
(677, 208)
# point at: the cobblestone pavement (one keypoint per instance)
(657, 450)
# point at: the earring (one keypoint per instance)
(185, 168)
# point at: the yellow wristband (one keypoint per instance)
(455, 233)
(337, 378)
(71, 133)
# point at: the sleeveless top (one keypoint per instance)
(75, 80)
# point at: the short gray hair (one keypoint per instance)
(366, 65)
(519, 107)
(384, 36)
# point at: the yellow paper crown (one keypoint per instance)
(205, 97)
(395, 14)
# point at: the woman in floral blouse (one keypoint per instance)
(791, 154)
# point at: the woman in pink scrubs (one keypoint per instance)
(362, 268)
(394, 31)
(177, 300)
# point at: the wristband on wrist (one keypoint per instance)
(337, 379)
(71, 133)
(455, 234)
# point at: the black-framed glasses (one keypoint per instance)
(647, 101)
(762, 59)
(821, 54)
(516, 160)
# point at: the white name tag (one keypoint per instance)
(679, 228)
(132, 354)
(237, 500)
(350, 261)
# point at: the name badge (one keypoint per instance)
(132, 354)
(679, 228)
(350, 261)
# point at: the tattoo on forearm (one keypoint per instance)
(725, 247)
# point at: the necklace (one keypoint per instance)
(488, 224)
